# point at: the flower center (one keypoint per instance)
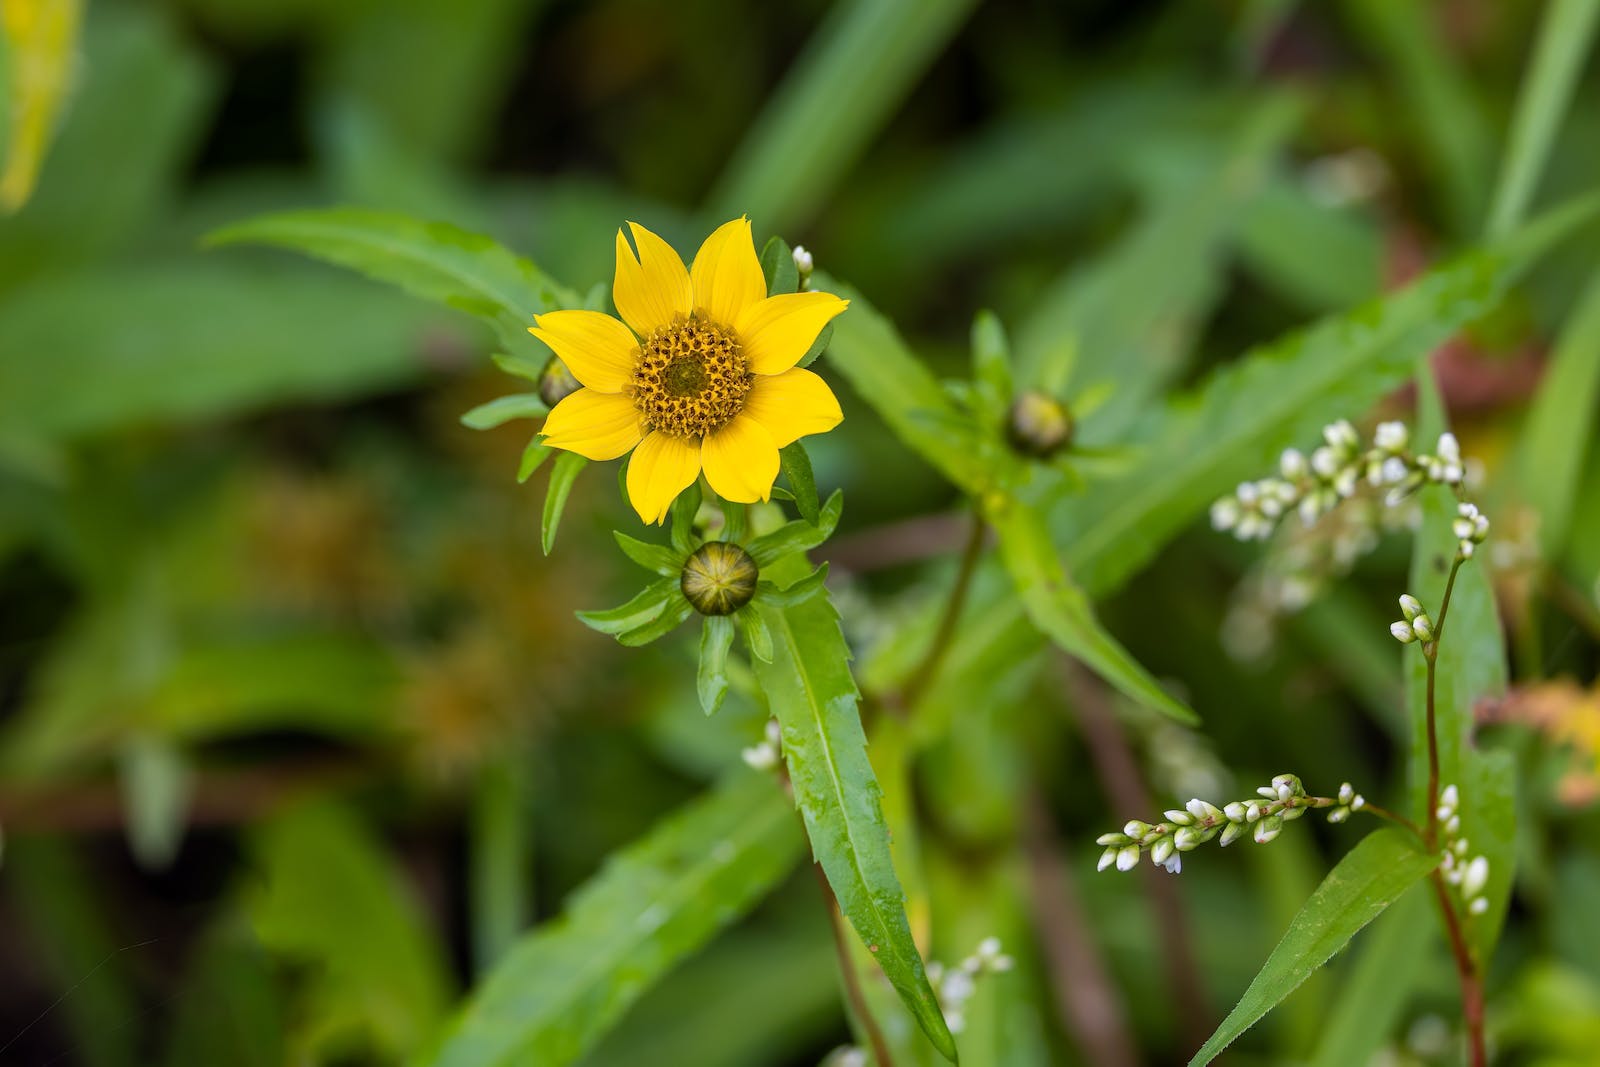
(692, 378)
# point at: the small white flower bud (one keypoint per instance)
(802, 260)
(1346, 791)
(1107, 858)
(1128, 858)
(1268, 792)
(1115, 839)
(1340, 434)
(956, 1021)
(1467, 509)
(1452, 826)
(1447, 861)
(1235, 812)
(1178, 817)
(1292, 464)
(1309, 510)
(1203, 810)
(1344, 483)
(1174, 863)
(1422, 626)
(1393, 471)
(1161, 850)
(1268, 828)
(1293, 812)
(1402, 632)
(1450, 797)
(1338, 814)
(1225, 514)
(1136, 829)
(1188, 838)
(1449, 449)
(1478, 906)
(1001, 964)
(1390, 436)
(1325, 462)
(989, 948)
(1476, 876)
(1410, 606)
(1285, 792)
(1461, 846)
(1358, 802)
(1247, 493)
(1466, 548)
(1231, 833)
(761, 757)
(1463, 529)
(1253, 812)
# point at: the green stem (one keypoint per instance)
(926, 670)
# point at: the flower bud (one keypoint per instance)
(1475, 877)
(1161, 850)
(1390, 436)
(1402, 632)
(1039, 426)
(1268, 828)
(556, 382)
(1346, 791)
(1234, 812)
(1128, 858)
(1422, 626)
(719, 578)
(1410, 606)
(1338, 814)
(1203, 811)
(1188, 838)
(1178, 817)
(1115, 839)
(1231, 833)
(1450, 797)
(803, 263)
(1478, 906)
(1107, 858)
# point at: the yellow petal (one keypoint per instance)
(792, 404)
(661, 467)
(779, 330)
(741, 461)
(593, 424)
(599, 350)
(652, 291)
(726, 276)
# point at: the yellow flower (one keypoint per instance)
(701, 377)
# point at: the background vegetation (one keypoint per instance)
(298, 735)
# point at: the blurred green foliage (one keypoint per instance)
(299, 737)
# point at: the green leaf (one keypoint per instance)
(1565, 33)
(802, 590)
(533, 457)
(568, 466)
(433, 260)
(676, 610)
(503, 409)
(1489, 823)
(777, 264)
(328, 898)
(846, 84)
(1371, 877)
(711, 681)
(173, 341)
(1061, 610)
(684, 510)
(819, 346)
(800, 536)
(1234, 425)
(499, 850)
(520, 365)
(653, 904)
(757, 635)
(1559, 429)
(659, 558)
(812, 693)
(796, 465)
(991, 362)
(648, 605)
(1375, 988)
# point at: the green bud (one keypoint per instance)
(719, 578)
(1039, 426)
(556, 382)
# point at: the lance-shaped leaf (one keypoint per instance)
(433, 260)
(654, 903)
(1372, 876)
(812, 693)
(565, 472)
(502, 409)
(801, 536)
(645, 608)
(711, 680)
(796, 464)
(1061, 610)
(659, 558)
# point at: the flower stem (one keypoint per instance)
(852, 981)
(926, 670)
(1394, 817)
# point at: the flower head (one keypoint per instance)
(698, 374)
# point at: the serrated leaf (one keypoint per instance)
(812, 693)
(533, 457)
(800, 536)
(433, 260)
(795, 463)
(648, 605)
(653, 904)
(1371, 876)
(777, 264)
(659, 558)
(1063, 613)
(711, 681)
(568, 466)
(503, 409)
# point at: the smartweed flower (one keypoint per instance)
(698, 374)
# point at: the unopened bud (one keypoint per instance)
(1268, 828)
(1039, 426)
(719, 578)
(556, 382)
